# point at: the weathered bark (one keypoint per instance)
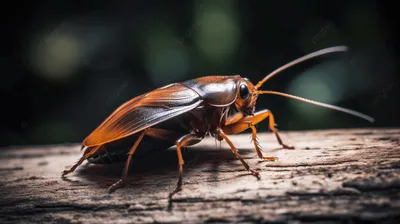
(332, 175)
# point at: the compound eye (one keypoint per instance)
(244, 92)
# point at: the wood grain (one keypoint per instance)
(333, 176)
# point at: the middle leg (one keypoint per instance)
(221, 133)
(186, 140)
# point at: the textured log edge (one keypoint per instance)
(332, 176)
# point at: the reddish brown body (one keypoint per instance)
(183, 114)
(196, 106)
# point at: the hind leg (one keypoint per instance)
(80, 161)
(121, 182)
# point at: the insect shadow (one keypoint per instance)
(159, 169)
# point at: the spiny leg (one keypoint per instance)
(242, 125)
(128, 162)
(257, 145)
(80, 161)
(168, 135)
(273, 129)
(234, 150)
(186, 140)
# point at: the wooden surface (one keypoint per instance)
(339, 176)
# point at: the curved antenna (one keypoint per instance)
(301, 59)
(348, 111)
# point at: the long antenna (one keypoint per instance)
(352, 112)
(301, 59)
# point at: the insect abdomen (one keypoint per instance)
(117, 153)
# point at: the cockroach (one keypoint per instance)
(182, 114)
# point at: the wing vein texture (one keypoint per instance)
(144, 111)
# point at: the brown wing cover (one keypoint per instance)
(144, 111)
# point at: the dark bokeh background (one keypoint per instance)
(66, 65)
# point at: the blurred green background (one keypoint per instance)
(66, 65)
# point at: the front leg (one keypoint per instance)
(243, 124)
(257, 145)
(248, 124)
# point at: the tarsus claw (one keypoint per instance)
(270, 158)
(287, 146)
(64, 173)
(255, 173)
